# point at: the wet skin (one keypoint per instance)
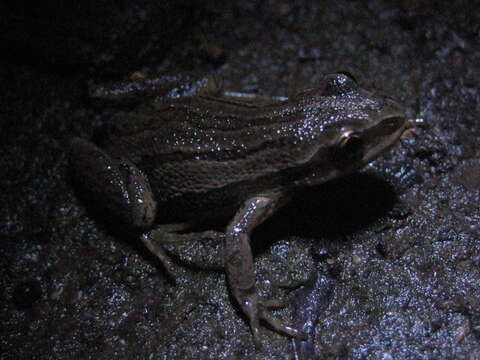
(180, 160)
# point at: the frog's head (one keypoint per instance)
(356, 126)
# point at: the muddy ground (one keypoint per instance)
(383, 264)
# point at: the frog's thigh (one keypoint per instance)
(114, 183)
(239, 263)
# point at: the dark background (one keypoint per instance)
(384, 264)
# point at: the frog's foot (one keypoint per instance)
(258, 310)
(156, 249)
(198, 249)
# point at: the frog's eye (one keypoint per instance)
(337, 84)
(348, 74)
(349, 147)
(350, 140)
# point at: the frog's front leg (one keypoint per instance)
(239, 263)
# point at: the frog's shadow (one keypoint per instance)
(330, 211)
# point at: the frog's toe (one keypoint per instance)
(277, 325)
(158, 251)
(255, 328)
(274, 304)
(260, 312)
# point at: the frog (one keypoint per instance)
(182, 158)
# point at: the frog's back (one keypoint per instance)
(211, 151)
(203, 127)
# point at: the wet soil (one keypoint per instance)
(383, 264)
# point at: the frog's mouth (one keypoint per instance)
(382, 137)
(365, 146)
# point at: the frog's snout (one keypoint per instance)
(393, 109)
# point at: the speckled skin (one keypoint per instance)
(191, 158)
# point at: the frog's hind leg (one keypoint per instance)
(114, 183)
(197, 249)
(156, 249)
(141, 87)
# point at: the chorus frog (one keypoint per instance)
(191, 157)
